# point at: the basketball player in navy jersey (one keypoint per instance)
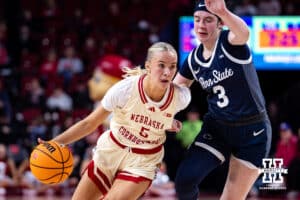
(236, 126)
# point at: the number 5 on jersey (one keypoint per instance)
(143, 132)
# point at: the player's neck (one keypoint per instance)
(208, 49)
(152, 91)
(210, 44)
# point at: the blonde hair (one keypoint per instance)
(138, 70)
(156, 47)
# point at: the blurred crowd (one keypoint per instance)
(48, 51)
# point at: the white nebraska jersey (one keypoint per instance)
(137, 121)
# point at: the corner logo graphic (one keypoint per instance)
(272, 173)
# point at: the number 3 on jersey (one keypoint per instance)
(223, 99)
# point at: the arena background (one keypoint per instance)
(30, 29)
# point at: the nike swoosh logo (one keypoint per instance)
(258, 132)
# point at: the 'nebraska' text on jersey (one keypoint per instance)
(141, 123)
(229, 78)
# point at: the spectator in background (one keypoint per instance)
(30, 185)
(48, 68)
(8, 172)
(50, 14)
(18, 153)
(69, 65)
(4, 59)
(80, 95)
(90, 52)
(247, 8)
(269, 7)
(26, 39)
(287, 144)
(90, 142)
(273, 111)
(6, 113)
(34, 96)
(37, 129)
(293, 176)
(291, 7)
(59, 100)
(5, 105)
(4, 55)
(190, 128)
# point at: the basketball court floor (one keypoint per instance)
(204, 197)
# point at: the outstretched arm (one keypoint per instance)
(239, 32)
(83, 127)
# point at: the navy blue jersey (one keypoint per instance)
(229, 78)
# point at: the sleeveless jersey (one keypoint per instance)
(229, 78)
(141, 123)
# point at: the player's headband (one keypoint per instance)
(200, 6)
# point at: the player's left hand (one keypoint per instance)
(217, 7)
(41, 141)
(176, 126)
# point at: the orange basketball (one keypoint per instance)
(51, 163)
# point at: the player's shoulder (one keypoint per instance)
(183, 95)
(181, 88)
(127, 81)
(123, 86)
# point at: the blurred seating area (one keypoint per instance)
(48, 52)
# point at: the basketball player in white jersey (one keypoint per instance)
(143, 106)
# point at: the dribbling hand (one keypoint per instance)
(176, 126)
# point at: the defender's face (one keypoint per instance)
(206, 26)
(162, 66)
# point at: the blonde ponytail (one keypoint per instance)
(133, 71)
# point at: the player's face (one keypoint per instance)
(162, 66)
(206, 26)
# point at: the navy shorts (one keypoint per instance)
(249, 141)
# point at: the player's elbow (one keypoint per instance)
(245, 36)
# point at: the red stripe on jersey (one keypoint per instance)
(137, 150)
(95, 179)
(131, 177)
(169, 99)
(141, 90)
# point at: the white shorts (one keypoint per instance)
(111, 161)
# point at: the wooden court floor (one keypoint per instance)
(209, 197)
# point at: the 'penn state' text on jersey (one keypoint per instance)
(229, 78)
